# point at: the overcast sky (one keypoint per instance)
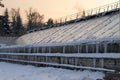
(54, 8)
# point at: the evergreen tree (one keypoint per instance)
(6, 22)
(50, 22)
(19, 23)
(6, 17)
(2, 5)
(16, 22)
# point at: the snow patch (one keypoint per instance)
(20, 72)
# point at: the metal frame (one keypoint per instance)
(85, 13)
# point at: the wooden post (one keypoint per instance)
(49, 49)
(78, 49)
(29, 50)
(86, 48)
(66, 61)
(9, 50)
(94, 62)
(24, 50)
(34, 49)
(61, 58)
(18, 50)
(46, 59)
(97, 48)
(42, 49)
(63, 49)
(37, 49)
(76, 61)
(105, 48)
(102, 63)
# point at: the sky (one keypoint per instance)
(54, 8)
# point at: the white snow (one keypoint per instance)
(83, 55)
(89, 41)
(10, 71)
(62, 65)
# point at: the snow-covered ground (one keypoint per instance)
(10, 71)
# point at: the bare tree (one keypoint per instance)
(83, 13)
(34, 19)
(80, 10)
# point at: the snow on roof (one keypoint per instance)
(89, 41)
(93, 29)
